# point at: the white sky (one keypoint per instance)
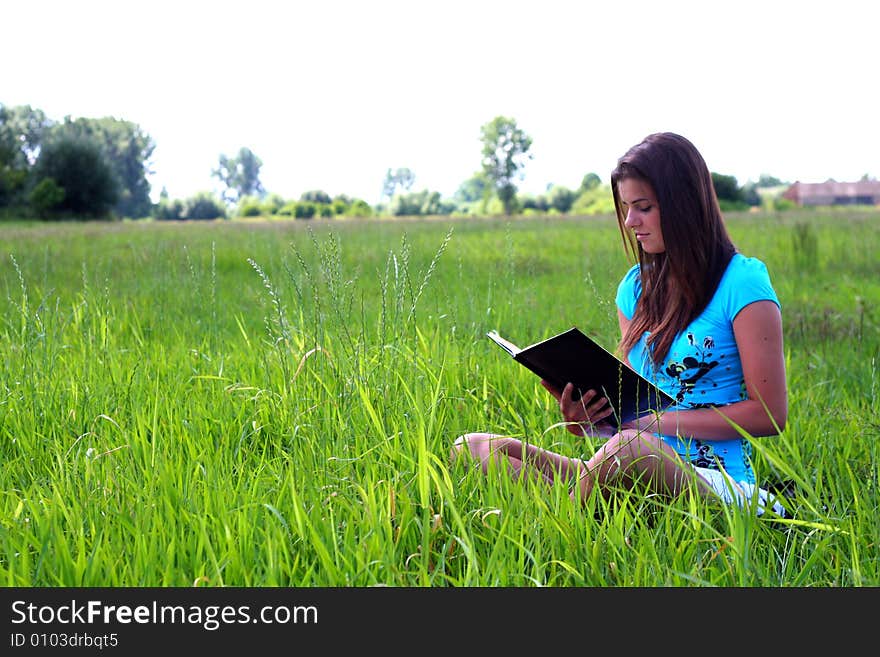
(329, 94)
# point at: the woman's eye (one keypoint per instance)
(646, 208)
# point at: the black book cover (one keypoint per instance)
(574, 357)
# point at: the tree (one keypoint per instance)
(402, 178)
(127, 149)
(538, 203)
(473, 189)
(590, 181)
(561, 198)
(505, 151)
(750, 194)
(22, 130)
(726, 188)
(124, 147)
(421, 203)
(240, 175)
(77, 166)
(316, 196)
(766, 180)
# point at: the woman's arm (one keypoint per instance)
(758, 332)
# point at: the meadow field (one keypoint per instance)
(253, 403)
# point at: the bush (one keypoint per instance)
(12, 184)
(288, 209)
(423, 203)
(782, 204)
(304, 210)
(250, 206)
(167, 209)
(494, 207)
(204, 205)
(359, 208)
(45, 197)
(597, 200)
(273, 204)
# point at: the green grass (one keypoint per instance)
(272, 404)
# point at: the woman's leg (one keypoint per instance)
(519, 456)
(634, 456)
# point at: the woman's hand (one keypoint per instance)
(586, 416)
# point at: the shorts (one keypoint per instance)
(741, 492)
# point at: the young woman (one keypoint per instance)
(698, 318)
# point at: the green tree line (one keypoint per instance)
(77, 167)
(98, 168)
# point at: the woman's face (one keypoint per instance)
(642, 213)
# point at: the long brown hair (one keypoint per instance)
(678, 283)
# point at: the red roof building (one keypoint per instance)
(830, 192)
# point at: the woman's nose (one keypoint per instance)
(630, 218)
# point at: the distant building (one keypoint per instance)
(830, 192)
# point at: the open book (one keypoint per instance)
(574, 357)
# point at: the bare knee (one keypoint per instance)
(625, 454)
(638, 455)
(477, 445)
(459, 447)
(632, 445)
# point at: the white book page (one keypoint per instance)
(507, 345)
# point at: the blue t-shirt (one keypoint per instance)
(703, 366)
